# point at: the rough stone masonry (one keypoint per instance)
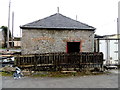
(51, 41)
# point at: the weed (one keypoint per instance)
(6, 73)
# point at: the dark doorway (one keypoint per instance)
(73, 47)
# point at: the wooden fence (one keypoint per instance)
(60, 61)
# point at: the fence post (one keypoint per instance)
(101, 60)
(54, 61)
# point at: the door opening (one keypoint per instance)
(73, 47)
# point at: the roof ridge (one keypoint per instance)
(75, 20)
(58, 20)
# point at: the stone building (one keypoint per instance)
(57, 33)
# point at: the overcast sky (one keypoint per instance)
(101, 14)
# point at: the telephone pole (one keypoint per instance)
(12, 27)
(8, 46)
(118, 31)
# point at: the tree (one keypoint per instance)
(4, 31)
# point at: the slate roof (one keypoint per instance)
(57, 21)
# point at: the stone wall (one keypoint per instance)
(51, 41)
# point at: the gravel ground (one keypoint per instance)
(98, 81)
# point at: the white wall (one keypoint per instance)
(112, 52)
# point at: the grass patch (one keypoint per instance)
(3, 48)
(55, 74)
(39, 75)
(6, 73)
(60, 74)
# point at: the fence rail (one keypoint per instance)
(59, 61)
